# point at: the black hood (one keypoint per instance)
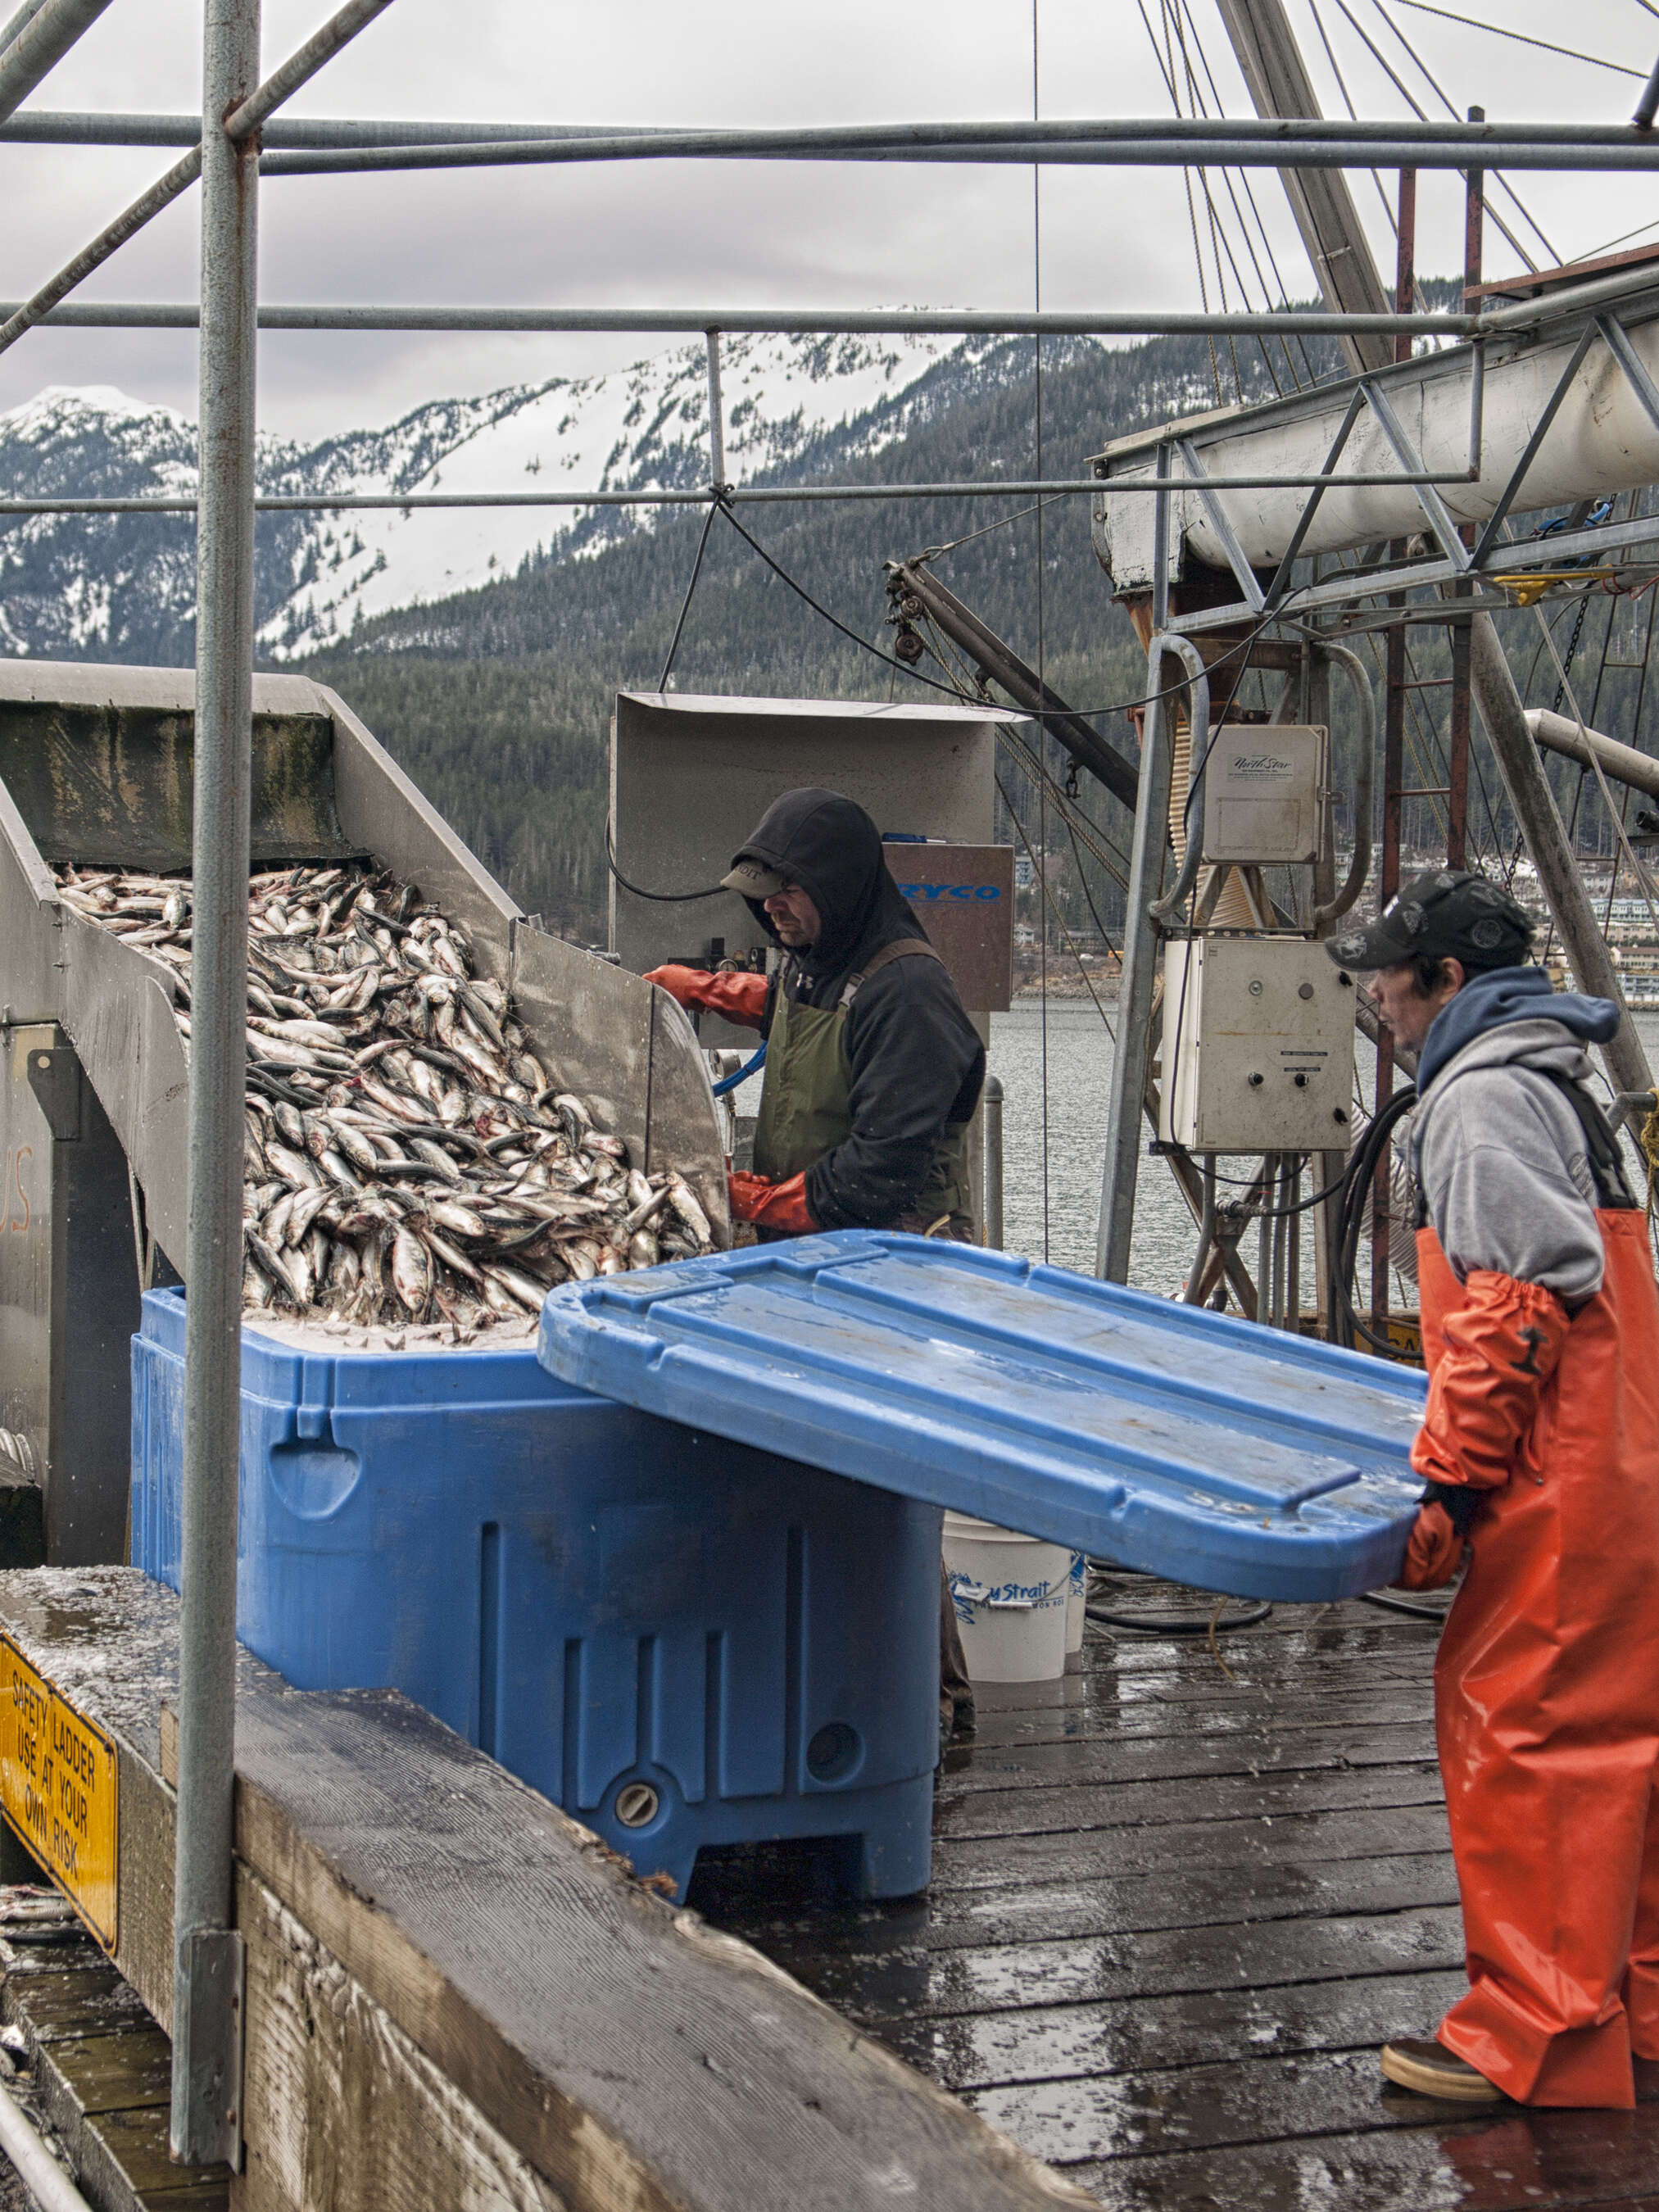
(828, 844)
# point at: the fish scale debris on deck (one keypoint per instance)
(408, 1156)
(1131, 1428)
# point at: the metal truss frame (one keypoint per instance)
(1491, 553)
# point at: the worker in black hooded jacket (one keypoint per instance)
(873, 1068)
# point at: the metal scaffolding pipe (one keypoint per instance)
(206, 2116)
(139, 315)
(1043, 487)
(1493, 688)
(1131, 1060)
(38, 39)
(105, 127)
(9, 30)
(287, 79)
(1071, 144)
(1623, 762)
(302, 65)
(102, 127)
(148, 204)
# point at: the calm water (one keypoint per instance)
(1079, 1067)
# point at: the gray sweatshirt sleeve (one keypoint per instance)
(1507, 1181)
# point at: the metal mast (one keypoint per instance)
(1320, 199)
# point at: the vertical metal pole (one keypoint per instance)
(1388, 882)
(1405, 280)
(1457, 764)
(1457, 727)
(716, 417)
(207, 2007)
(1122, 1165)
(991, 1108)
(1474, 209)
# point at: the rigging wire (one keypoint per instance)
(685, 605)
(1502, 31)
(1196, 108)
(1502, 181)
(1353, 112)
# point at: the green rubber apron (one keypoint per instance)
(806, 1098)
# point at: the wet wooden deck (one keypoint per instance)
(1175, 1912)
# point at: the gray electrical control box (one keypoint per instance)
(1258, 1045)
(1265, 791)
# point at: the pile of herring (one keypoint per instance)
(408, 1158)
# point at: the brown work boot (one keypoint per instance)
(1414, 2062)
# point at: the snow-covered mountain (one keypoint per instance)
(123, 587)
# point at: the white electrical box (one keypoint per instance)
(1258, 1045)
(1265, 793)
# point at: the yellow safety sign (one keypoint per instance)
(57, 1784)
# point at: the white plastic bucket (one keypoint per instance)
(1011, 1594)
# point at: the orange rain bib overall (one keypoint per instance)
(1546, 1698)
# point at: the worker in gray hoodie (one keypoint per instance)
(1540, 1444)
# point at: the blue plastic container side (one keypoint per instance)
(596, 1597)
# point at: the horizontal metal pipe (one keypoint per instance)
(39, 41)
(745, 495)
(1079, 147)
(1623, 762)
(183, 314)
(102, 127)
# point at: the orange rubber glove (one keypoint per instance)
(740, 997)
(1433, 1552)
(1502, 1345)
(780, 1206)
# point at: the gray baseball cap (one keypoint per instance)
(1441, 914)
(753, 879)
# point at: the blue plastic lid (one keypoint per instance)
(1188, 1444)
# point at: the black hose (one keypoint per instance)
(1389, 1603)
(1361, 1174)
(1165, 1624)
(1155, 1624)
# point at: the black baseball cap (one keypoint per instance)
(1444, 914)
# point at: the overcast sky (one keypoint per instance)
(821, 235)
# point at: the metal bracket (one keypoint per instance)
(1243, 572)
(54, 1074)
(208, 2009)
(1428, 498)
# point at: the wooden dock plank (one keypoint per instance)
(1262, 1839)
(913, 1983)
(1075, 1810)
(1177, 1910)
(1137, 2035)
(1173, 1896)
(1535, 2162)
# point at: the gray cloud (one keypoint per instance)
(818, 235)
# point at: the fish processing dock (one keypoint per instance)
(538, 1672)
(1178, 1901)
